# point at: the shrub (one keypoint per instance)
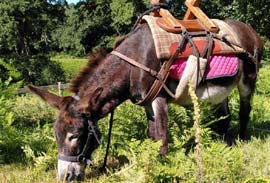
(266, 55)
(7, 71)
(32, 111)
(14, 139)
(37, 69)
(9, 138)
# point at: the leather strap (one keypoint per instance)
(163, 74)
(134, 63)
(160, 76)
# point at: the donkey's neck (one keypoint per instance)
(117, 79)
(105, 87)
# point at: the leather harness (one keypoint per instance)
(162, 75)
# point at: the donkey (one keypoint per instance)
(107, 81)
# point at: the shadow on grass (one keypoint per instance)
(113, 164)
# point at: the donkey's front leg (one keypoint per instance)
(157, 122)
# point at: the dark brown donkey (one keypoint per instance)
(108, 81)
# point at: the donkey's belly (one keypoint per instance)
(213, 94)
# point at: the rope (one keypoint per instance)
(108, 143)
(151, 9)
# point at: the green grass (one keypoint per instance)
(71, 66)
(133, 157)
(245, 162)
(17, 173)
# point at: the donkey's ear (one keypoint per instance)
(90, 102)
(52, 99)
(94, 99)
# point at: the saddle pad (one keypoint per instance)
(218, 66)
(163, 40)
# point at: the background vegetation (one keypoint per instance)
(46, 41)
(32, 30)
(28, 147)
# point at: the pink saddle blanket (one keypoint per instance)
(218, 66)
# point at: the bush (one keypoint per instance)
(37, 69)
(9, 137)
(15, 139)
(7, 71)
(32, 111)
(266, 56)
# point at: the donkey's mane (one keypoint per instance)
(93, 62)
(118, 40)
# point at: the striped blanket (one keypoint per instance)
(164, 40)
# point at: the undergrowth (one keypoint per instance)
(28, 149)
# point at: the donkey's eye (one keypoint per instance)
(72, 136)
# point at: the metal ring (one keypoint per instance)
(81, 158)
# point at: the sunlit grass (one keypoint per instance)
(133, 158)
(71, 66)
(17, 173)
(244, 162)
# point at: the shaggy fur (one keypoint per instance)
(93, 62)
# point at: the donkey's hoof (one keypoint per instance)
(245, 136)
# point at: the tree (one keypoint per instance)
(85, 24)
(25, 34)
(26, 25)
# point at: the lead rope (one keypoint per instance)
(108, 143)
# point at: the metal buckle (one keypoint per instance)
(81, 158)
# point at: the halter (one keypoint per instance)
(82, 157)
(92, 132)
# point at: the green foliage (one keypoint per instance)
(37, 69)
(70, 66)
(266, 55)
(251, 12)
(7, 71)
(26, 25)
(25, 38)
(8, 135)
(14, 138)
(25, 106)
(122, 12)
(86, 25)
(43, 155)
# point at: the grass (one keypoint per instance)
(245, 162)
(71, 66)
(17, 173)
(134, 158)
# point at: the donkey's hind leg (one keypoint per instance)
(157, 122)
(246, 89)
(221, 126)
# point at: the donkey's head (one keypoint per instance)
(76, 134)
